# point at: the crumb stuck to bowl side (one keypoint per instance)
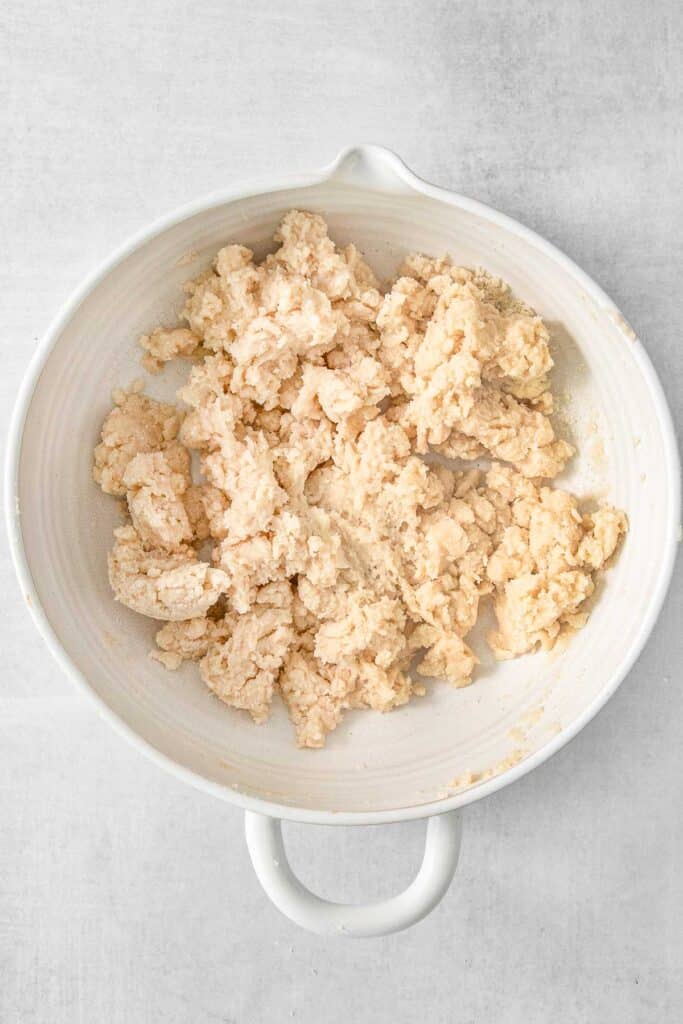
(345, 543)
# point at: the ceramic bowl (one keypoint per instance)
(435, 755)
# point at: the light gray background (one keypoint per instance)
(125, 896)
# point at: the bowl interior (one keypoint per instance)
(373, 762)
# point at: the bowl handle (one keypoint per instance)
(373, 167)
(362, 920)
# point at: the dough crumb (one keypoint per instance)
(137, 424)
(162, 584)
(164, 344)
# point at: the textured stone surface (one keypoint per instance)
(125, 896)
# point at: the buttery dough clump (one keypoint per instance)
(345, 546)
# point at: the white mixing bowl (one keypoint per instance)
(438, 753)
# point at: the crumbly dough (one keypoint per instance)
(159, 582)
(162, 345)
(345, 547)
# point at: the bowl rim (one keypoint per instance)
(368, 166)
